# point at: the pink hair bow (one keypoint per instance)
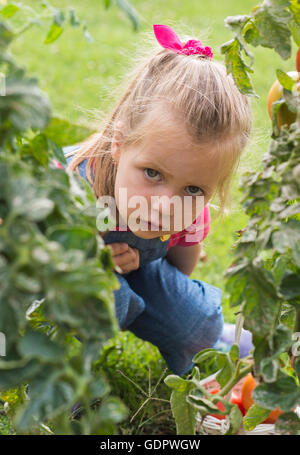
(169, 40)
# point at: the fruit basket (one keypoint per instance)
(217, 426)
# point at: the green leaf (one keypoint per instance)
(293, 105)
(292, 210)
(39, 149)
(262, 348)
(235, 419)
(197, 399)
(236, 23)
(6, 36)
(226, 369)
(269, 369)
(288, 236)
(177, 383)
(251, 34)
(26, 283)
(288, 424)
(261, 307)
(234, 352)
(26, 200)
(237, 67)
(287, 316)
(183, 413)
(295, 21)
(130, 11)
(9, 11)
(107, 3)
(297, 364)
(74, 21)
(285, 80)
(260, 310)
(38, 345)
(49, 395)
(272, 24)
(204, 355)
(74, 237)
(112, 410)
(279, 268)
(54, 33)
(64, 133)
(99, 388)
(290, 286)
(284, 393)
(281, 340)
(237, 267)
(15, 373)
(24, 104)
(196, 374)
(295, 29)
(254, 416)
(271, 345)
(235, 287)
(59, 18)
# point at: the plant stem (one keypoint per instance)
(297, 321)
(236, 378)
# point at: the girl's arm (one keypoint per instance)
(184, 258)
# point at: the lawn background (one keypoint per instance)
(79, 77)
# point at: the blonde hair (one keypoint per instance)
(199, 91)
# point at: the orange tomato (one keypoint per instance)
(247, 400)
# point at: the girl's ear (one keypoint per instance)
(116, 140)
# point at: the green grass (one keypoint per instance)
(80, 79)
(5, 426)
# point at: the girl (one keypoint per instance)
(178, 131)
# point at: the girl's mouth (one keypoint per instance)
(154, 226)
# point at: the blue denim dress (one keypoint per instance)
(160, 304)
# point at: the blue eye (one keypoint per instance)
(197, 189)
(151, 172)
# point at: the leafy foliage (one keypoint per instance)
(264, 278)
(271, 24)
(56, 276)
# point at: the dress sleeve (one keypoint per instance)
(195, 233)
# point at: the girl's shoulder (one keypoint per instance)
(69, 149)
(69, 152)
(195, 233)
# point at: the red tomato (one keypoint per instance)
(235, 399)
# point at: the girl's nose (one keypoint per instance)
(166, 204)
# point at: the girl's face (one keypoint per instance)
(165, 180)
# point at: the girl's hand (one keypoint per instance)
(125, 257)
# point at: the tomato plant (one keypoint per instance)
(263, 280)
(283, 116)
(57, 279)
(247, 401)
(235, 399)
